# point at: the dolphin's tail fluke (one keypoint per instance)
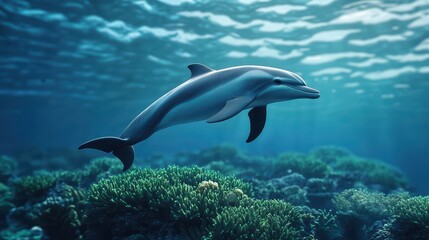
(118, 146)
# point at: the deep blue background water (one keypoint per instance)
(74, 70)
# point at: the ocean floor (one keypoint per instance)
(216, 193)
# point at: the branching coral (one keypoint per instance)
(306, 165)
(101, 166)
(191, 196)
(375, 172)
(408, 216)
(31, 188)
(325, 225)
(196, 203)
(411, 218)
(36, 185)
(330, 154)
(258, 219)
(367, 205)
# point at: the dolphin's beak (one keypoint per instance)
(313, 92)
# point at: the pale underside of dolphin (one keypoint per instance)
(211, 95)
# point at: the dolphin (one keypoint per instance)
(211, 95)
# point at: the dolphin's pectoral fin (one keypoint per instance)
(198, 69)
(232, 108)
(257, 117)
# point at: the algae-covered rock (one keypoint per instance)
(60, 214)
(288, 188)
(320, 191)
(234, 197)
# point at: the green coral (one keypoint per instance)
(330, 154)
(408, 216)
(7, 168)
(367, 205)
(95, 170)
(376, 172)
(198, 203)
(37, 185)
(325, 225)
(264, 220)
(411, 215)
(190, 196)
(102, 165)
(306, 165)
(31, 188)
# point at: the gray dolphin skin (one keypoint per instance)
(211, 95)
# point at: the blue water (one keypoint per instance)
(75, 70)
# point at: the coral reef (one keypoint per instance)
(265, 220)
(411, 218)
(33, 159)
(31, 188)
(372, 172)
(330, 154)
(189, 197)
(8, 168)
(6, 204)
(369, 206)
(307, 165)
(390, 216)
(327, 194)
(60, 215)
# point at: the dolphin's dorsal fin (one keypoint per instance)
(198, 69)
(257, 117)
(232, 108)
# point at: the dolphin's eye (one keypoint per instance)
(277, 81)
